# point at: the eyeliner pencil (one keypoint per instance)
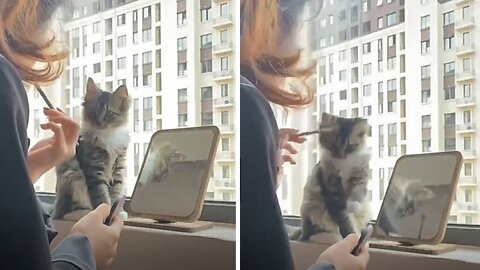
(49, 104)
(309, 133)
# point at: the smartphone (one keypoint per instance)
(364, 237)
(115, 210)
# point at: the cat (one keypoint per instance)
(334, 199)
(96, 174)
(403, 199)
(161, 157)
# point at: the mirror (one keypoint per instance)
(175, 172)
(417, 203)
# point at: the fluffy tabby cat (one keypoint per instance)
(334, 199)
(161, 157)
(96, 174)
(404, 198)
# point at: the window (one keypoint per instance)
(207, 118)
(224, 63)
(342, 55)
(380, 22)
(425, 72)
(391, 40)
(97, 68)
(367, 47)
(448, 18)
(425, 47)
(224, 36)
(366, 5)
(182, 95)
(181, 18)
(224, 10)
(147, 35)
(426, 121)
(224, 117)
(391, 19)
(224, 90)
(467, 117)
(122, 63)
(467, 90)
(96, 47)
(206, 66)
(367, 110)
(182, 120)
(449, 119)
(182, 44)
(367, 69)
(448, 43)
(121, 20)
(206, 41)
(206, 93)
(225, 144)
(466, 39)
(426, 146)
(367, 90)
(425, 22)
(466, 64)
(342, 15)
(147, 11)
(342, 75)
(182, 69)
(468, 169)
(425, 96)
(96, 27)
(449, 68)
(205, 14)
(449, 93)
(121, 41)
(467, 143)
(468, 196)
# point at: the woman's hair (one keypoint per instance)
(268, 51)
(21, 22)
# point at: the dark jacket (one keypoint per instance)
(264, 242)
(25, 230)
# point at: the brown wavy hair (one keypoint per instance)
(266, 27)
(20, 23)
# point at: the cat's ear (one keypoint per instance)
(92, 91)
(328, 119)
(120, 98)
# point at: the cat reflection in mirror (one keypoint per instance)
(334, 199)
(96, 174)
(161, 157)
(404, 198)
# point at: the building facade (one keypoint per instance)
(409, 68)
(177, 59)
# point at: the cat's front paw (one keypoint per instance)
(123, 215)
(355, 207)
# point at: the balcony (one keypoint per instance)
(468, 154)
(464, 24)
(222, 21)
(223, 75)
(223, 102)
(465, 50)
(467, 181)
(466, 128)
(225, 184)
(465, 76)
(466, 102)
(462, 2)
(225, 156)
(226, 129)
(467, 207)
(222, 48)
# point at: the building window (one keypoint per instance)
(97, 68)
(343, 95)
(426, 146)
(147, 11)
(367, 90)
(122, 63)
(205, 14)
(96, 27)
(449, 119)
(96, 47)
(449, 93)
(182, 120)
(342, 74)
(182, 18)
(367, 69)
(448, 43)
(392, 19)
(425, 22)
(182, 95)
(367, 47)
(224, 63)
(425, 72)
(467, 90)
(466, 64)
(467, 143)
(448, 18)
(147, 35)
(121, 20)
(426, 96)
(182, 69)
(206, 41)
(182, 44)
(392, 150)
(206, 93)
(121, 41)
(468, 169)
(206, 66)
(207, 119)
(425, 47)
(367, 110)
(449, 69)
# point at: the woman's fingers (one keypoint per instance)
(57, 131)
(288, 158)
(289, 147)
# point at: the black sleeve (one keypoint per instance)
(22, 232)
(74, 252)
(23, 236)
(263, 240)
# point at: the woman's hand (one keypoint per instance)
(340, 255)
(103, 238)
(52, 151)
(286, 151)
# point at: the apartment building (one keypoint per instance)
(178, 67)
(406, 66)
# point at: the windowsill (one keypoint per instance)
(143, 248)
(464, 257)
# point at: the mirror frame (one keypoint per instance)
(197, 211)
(438, 238)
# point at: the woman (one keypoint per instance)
(268, 56)
(28, 54)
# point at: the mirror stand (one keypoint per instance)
(187, 227)
(412, 248)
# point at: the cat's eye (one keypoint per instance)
(361, 134)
